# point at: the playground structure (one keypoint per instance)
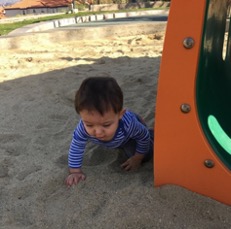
(193, 111)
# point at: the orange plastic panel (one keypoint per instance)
(181, 148)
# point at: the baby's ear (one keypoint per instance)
(122, 112)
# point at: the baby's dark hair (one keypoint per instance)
(100, 94)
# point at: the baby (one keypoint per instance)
(104, 121)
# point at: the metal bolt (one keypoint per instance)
(188, 42)
(185, 108)
(209, 163)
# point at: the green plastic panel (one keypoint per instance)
(213, 83)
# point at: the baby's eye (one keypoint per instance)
(89, 126)
(106, 125)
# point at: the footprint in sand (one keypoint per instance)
(13, 144)
(4, 87)
(3, 170)
(68, 98)
(62, 161)
(28, 171)
(94, 156)
(8, 137)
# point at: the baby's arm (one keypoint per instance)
(133, 162)
(75, 157)
(138, 132)
(75, 176)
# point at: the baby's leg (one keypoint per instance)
(129, 148)
(149, 155)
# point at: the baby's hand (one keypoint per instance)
(133, 162)
(75, 178)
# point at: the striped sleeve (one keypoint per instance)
(139, 132)
(77, 147)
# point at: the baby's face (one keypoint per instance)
(101, 127)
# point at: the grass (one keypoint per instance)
(8, 27)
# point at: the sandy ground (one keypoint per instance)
(37, 120)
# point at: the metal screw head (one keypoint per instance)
(209, 163)
(188, 42)
(185, 108)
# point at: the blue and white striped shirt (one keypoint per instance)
(129, 128)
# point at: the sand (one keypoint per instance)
(37, 120)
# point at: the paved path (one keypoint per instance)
(122, 21)
(88, 27)
(96, 20)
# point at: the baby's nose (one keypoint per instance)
(98, 132)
